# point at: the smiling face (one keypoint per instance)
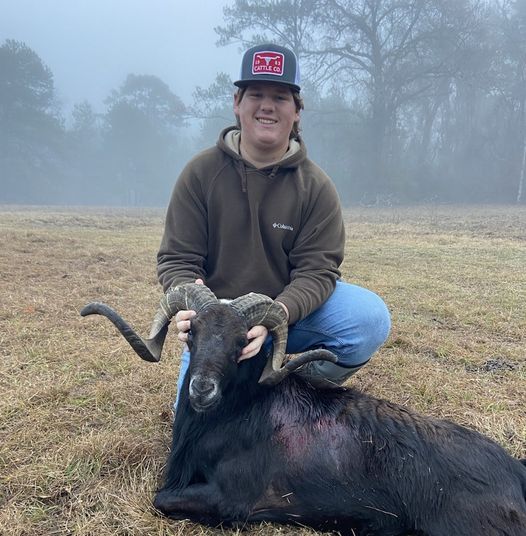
(266, 113)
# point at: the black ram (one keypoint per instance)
(253, 442)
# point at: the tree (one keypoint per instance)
(141, 143)
(391, 53)
(30, 127)
(291, 22)
(383, 54)
(510, 75)
(327, 124)
(213, 106)
(481, 134)
(87, 182)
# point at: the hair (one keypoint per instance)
(298, 101)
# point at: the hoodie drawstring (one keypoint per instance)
(242, 169)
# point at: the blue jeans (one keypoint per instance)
(353, 323)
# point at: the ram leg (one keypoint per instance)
(197, 503)
(295, 516)
(280, 507)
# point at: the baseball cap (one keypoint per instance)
(269, 63)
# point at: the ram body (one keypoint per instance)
(333, 459)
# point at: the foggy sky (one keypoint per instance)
(91, 45)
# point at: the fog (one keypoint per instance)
(91, 45)
(104, 102)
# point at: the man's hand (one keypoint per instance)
(182, 319)
(256, 336)
(182, 322)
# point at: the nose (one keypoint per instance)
(202, 386)
(203, 389)
(267, 103)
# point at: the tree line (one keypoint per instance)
(123, 156)
(406, 101)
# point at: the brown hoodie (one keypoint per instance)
(276, 230)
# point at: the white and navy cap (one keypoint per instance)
(269, 63)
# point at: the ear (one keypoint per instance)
(236, 104)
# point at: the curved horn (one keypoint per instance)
(147, 349)
(260, 309)
(181, 297)
(184, 296)
(306, 357)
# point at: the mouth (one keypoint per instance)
(201, 406)
(266, 121)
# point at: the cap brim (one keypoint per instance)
(245, 83)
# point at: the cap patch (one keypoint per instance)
(268, 62)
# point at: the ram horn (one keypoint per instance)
(185, 296)
(259, 309)
(320, 354)
(181, 297)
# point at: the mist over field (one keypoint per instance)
(104, 102)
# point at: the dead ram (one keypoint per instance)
(253, 441)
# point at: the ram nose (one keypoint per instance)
(203, 392)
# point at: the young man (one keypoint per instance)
(254, 214)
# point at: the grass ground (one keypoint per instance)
(85, 425)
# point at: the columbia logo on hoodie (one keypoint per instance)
(283, 226)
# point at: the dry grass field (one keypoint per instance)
(85, 425)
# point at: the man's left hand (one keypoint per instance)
(256, 337)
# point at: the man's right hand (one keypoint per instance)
(182, 319)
